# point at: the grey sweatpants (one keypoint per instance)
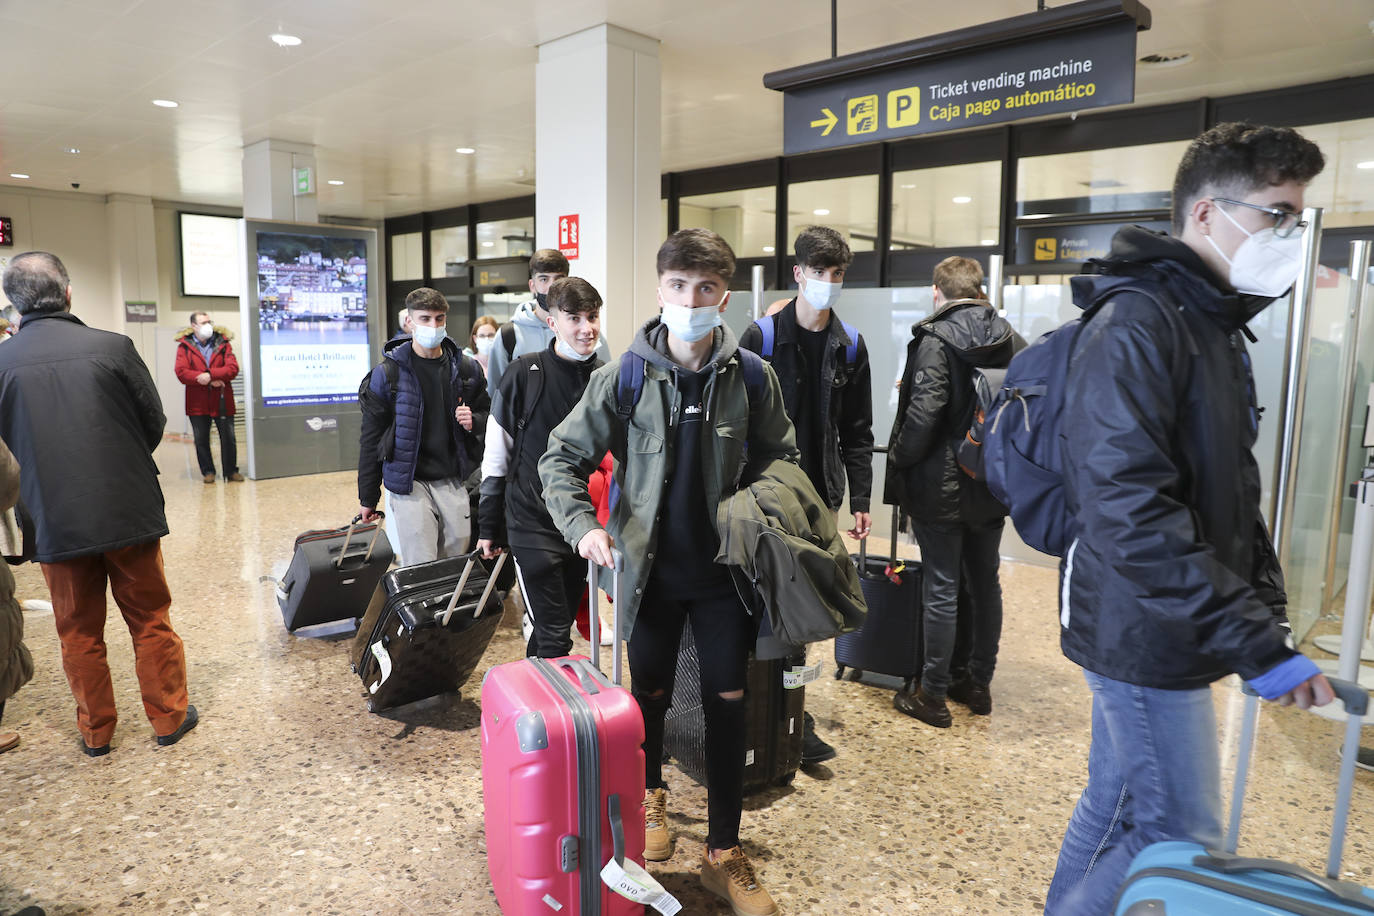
(432, 520)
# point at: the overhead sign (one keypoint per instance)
(1069, 59)
(305, 181)
(1046, 246)
(503, 272)
(567, 236)
(140, 311)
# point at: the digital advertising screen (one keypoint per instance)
(210, 261)
(313, 343)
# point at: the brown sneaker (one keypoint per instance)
(658, 842)
(732, 878)
(208, 478)
(235, 477)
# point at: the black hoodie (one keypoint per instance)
(934, 409)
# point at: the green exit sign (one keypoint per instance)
(305, 181)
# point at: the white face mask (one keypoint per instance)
(429, 337)
(568, 352)
(819, 293)
(689, 324)
(1264, 264)
(484, 345)
(205, 331)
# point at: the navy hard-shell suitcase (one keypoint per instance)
(889, 642)
(1184, 879)
(333, 574)
(431, 630)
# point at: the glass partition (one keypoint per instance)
(509, 238)
(746, 219)
(407, 256)
(1122, 179)
(847, 205)
(448, 251)
(947, 207)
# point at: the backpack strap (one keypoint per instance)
(392, 371)
(851, 352)
(751, 366)
(768, 326)
(533, 388)
(508, 339)
(629, 385)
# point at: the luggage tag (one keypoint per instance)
(632, 882)
(800, 676)
(894, 571)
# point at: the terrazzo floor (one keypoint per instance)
(291, 798)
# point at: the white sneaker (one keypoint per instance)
(36, 604)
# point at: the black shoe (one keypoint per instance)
(919, 706)
(1365, 758)
(191, 721)
(977, 697)
(814, 750)
(95, 751)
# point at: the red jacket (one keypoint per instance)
(204, 400)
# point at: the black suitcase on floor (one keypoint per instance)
(429, 632)
(773, 721)
(889, 642)
(333, 574)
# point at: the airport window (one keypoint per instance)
(746, 219)
(1345, 188)
(407, 256)
(1119, 180)
(946, 207)
(448, 251)
(507, 238)
(847, 205)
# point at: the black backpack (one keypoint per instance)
(987, 384)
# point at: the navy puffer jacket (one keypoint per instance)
(1171, 581)
(390, 446)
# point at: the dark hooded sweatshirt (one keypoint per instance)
(934, 409)
(1171, 579)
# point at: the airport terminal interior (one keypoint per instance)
(294, 169)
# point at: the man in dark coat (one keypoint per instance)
(1170, 581)
(957, 521)
(80, 412)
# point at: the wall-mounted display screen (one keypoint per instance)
(210, 262)
(312, 318)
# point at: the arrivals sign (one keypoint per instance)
(1048, 246)
(1051, 74)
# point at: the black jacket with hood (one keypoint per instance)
(934, 409)
(1171, 580)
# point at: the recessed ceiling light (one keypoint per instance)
(767, 249)
(1365, 165)
(70, 149)
(820, 212)
(962, 199)
(988, 242)
(335, 181)
(488, 244)
(18, 175)
(285, 41)
(907, 187)
(166, 103)
(465, 150)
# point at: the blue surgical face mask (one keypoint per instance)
(429, 337)
(689, 324)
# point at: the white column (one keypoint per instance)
(133, 265)
(597, 156)
(269, 181)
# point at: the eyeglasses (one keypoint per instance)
(1286, 222)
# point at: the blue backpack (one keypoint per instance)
(1021, 443)
(768, 325)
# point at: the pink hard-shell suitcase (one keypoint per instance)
(562, 781)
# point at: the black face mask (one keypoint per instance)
(543, 300)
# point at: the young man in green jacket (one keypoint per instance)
(680, 450)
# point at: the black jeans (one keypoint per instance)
(951, 556)
(552, 583)
(228, 449)
(724, 632)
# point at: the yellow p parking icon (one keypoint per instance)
(904, 107)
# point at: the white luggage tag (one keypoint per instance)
(800, 676)
(627, 877)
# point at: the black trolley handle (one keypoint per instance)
(896, 514)
(348, 536)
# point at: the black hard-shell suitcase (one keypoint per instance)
(434, 625)
(333, 574)
(889, 642)
(773, 721)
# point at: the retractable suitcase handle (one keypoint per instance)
(594, 618)
(442, 617)
(1356, 701)
(348, 536)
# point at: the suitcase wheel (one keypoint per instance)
(786, 780)
(856, 674)
(908, 684)
(839, 672)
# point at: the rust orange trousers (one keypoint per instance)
(139, 584)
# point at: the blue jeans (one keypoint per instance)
(1153, 774)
